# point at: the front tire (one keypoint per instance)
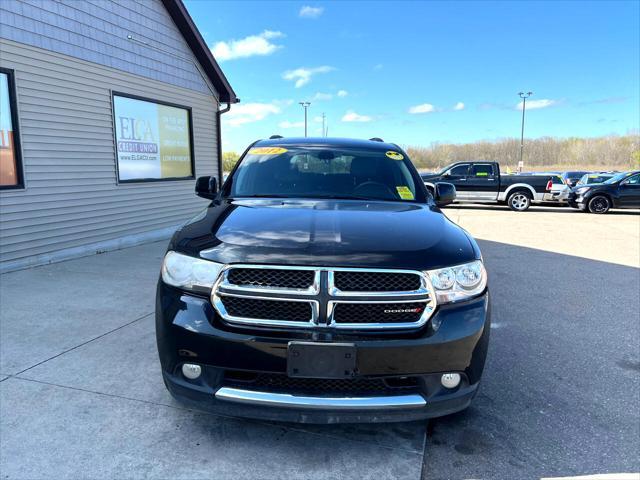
(599, 204)
(519, 201)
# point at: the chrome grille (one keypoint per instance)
(272, 278)
(268, 309)
(382, 312)
(358, 281)
(319, 297)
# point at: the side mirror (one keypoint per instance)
(207, 187)
(445, 193)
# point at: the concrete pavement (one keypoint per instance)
(81, 394)
(85, 397)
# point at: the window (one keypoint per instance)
(482, 170)
(10, 155)
(459, 170)
(324, 172)
(557, 180)
(154, 140)
(635, 180)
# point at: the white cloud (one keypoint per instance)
(288, 124)
(319, 97)
(310, 12)
(250, 112)
(535, 104)
(459, 106)
(303, 75)
(247, 47)
(352, 116)
(422, 108)
(342, 93)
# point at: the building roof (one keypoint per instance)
(189, 31)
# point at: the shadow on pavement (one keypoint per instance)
(560, 389)
(536, 208)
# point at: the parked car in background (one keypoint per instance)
(555, 187)
(482, 182)
(586, 179)
(620, 191)
(571, 178)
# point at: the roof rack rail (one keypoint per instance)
(376, 139)
(273, 137)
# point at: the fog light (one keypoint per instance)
(450, 380)
(191, 370)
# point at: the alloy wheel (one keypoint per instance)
(599, 205)
(520, 201)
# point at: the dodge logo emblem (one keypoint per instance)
(404, 310)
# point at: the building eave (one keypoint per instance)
(198, 46)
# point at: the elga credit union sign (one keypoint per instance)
(153, 140)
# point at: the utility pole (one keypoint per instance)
(524, 97)
(324, 134)
(305, 105)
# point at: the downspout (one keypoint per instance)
(219, 114)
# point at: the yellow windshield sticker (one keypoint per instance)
(405, 193)
(395, 155)
(482, 174)
(267, 151)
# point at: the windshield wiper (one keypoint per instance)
(319, 197)
(346, 197)
(270, 195)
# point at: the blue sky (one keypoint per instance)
(421, 72)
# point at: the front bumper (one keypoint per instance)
(189, 331)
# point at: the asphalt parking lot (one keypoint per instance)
(81, 394)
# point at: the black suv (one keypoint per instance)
(620, 191)
(323, 284)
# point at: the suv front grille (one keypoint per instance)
(378, 312)
(352, 281)
(270, 277)
(317, 297)
(268, 309)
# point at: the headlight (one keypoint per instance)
(582, 190)
(458, 283)
(188, 272)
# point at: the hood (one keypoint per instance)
(591, 186)
(326, 233)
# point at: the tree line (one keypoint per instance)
(602, 153)
(612, 152)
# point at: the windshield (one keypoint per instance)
(588, 179)
(573, 175)
(617, 178)
(325, 172)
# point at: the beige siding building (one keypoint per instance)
(109, 111)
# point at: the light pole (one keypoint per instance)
(524, 97)
(305, 105)
(324, 134)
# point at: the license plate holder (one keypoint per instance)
(321, 360)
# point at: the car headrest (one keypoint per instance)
(363, 167)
